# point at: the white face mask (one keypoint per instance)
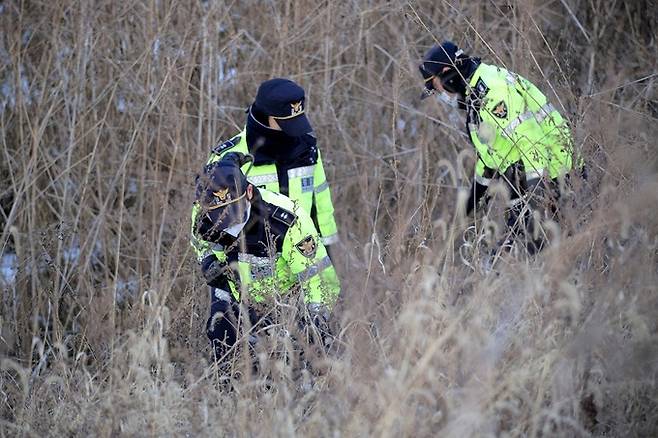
(234, 230)
(450, 99)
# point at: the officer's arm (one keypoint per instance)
(215, 272)
(489, 143)
(309, 262)
(487, 135)
(201, 247)
(501, 144)
(210, 256)
(214, 264)
(323, 207)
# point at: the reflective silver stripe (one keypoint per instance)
(539, 116)
(259, 180)
(544, 112)
(322, 187)
(534, 174)
(482, 180)
(314, 269)
(511, 127)
(329, 240)
(259, 267)
(204, 255)
(255, 260)
(300, 172)
(221, 294)
(510, 79)
(515, 201)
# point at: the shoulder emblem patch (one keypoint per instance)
(500, 110)
(480, 89)
(226, 145)
(474, 101)
(307, 247)
(284, 216)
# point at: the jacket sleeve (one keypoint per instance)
(309, 262)
(207, 253)
(501, 146)
(201, 247)
(323, 208)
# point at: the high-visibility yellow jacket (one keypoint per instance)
(510, 121)
(307, 184)
(278, 249)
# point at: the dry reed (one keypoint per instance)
(108, 109)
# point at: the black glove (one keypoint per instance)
(476, 193)
(214, 271)
(238, 158)
(319, 314)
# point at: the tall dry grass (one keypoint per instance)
(107, 110)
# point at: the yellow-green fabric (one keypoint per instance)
(261, 277)
(308, 185)
(515, 123)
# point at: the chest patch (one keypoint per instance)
(500, 110)
(226, 145)
(307, 184)
(307, 247)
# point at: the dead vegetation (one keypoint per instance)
(107, 110)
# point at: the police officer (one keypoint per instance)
(255, 244)
(518, 135)
(286, 157)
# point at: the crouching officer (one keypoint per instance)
(254, 244)
(286, 157)
(518, 135)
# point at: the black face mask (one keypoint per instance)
(270, 146)
(453, 82)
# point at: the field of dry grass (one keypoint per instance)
(107, 111)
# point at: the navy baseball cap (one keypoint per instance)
(435, 61)
(221, 190)
(284, 100)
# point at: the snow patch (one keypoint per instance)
(224, 73)
(121, 104)
(8, 269)
(125, 290)
(72, 254)
(156, 49)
